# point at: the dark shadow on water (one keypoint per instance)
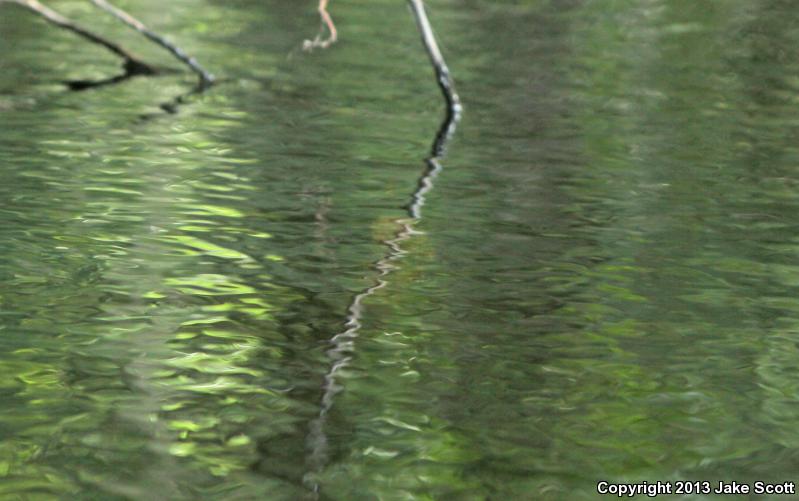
(83, 85)
(170, 106)
(131, 70)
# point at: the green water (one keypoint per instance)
(602, 285)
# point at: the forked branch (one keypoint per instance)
(133, 65)
(206, 78)
(327, 23)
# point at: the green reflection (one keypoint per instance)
(605, 286)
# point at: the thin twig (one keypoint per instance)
(443, 76)
(206, 78)
(327, 22)
(133, 65)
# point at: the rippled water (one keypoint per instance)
(602, 284)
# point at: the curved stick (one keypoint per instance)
(133, 65)
(206, 78)
(443, 76)
(327, 22)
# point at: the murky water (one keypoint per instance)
(602, 285)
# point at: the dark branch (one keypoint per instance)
(132, 65)
(442, 71)
(206, 78)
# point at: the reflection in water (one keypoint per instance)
(343, 343)
(81, 85)
(170, 106)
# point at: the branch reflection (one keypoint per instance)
(343, 344)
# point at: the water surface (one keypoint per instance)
(602, 284)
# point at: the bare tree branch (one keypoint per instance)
(133, 65)
(443, 76)
(327, 22)
(206, 78)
